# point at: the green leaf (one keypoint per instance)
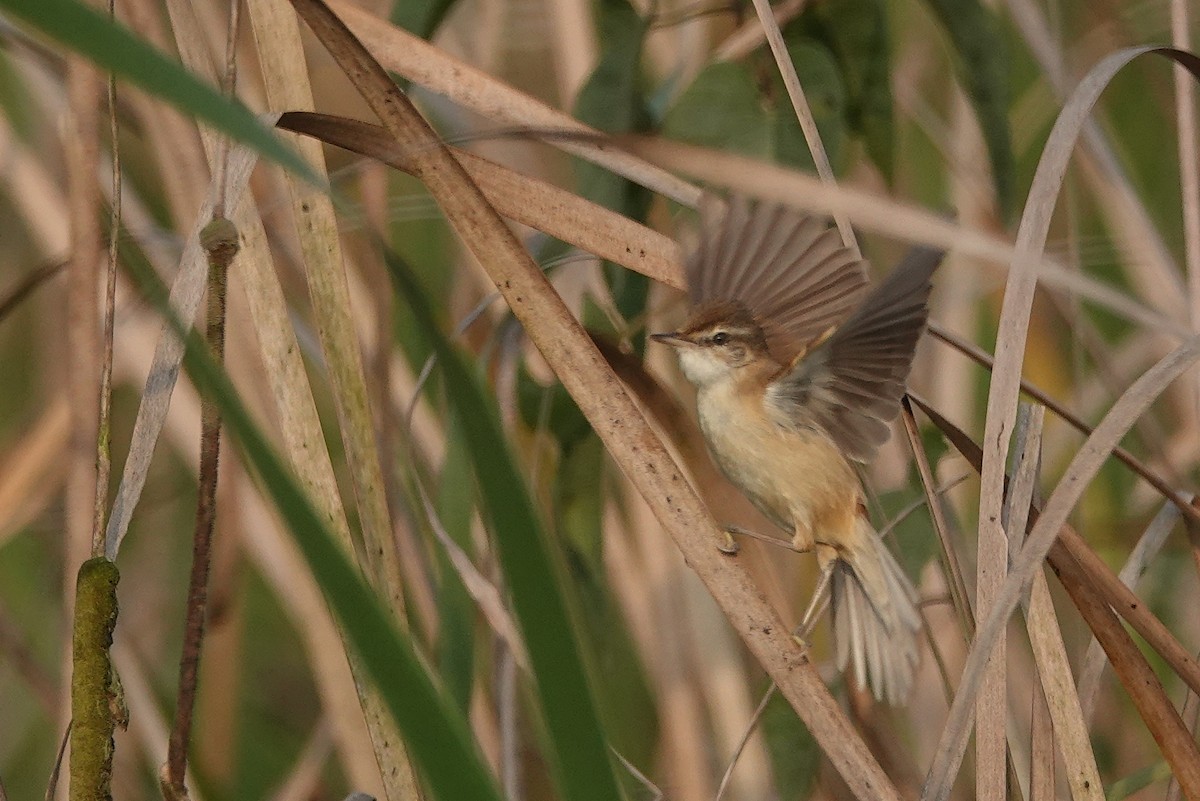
(437, 734)
(578, 750)
(421, 17)
(913, 539)
(612, 100)
(974, 31)
(721, 109)
(1127, 786)
(856, 31)
(627, 707)
(826, 94)
(456, 610)
(795, 757)
(113, 47)
(725, 109)
(567, 424)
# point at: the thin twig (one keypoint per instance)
(741, 746)
(951, 567)
(656, 794)
(52, 784)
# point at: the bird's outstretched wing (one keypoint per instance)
(787, 268)
(850, 385)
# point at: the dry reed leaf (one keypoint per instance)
(278, 560)
(187, 290)
(285, 72)
(1042, 784)
(679, 703)
(173, 138)
(751, 34)
(618, 421)
(305, 446)
(1145, 690)
(893, 218)
(1147, 547)
(1191, 719)
(727, 691)
(575, 45)
(417, 60)
(35, 194)
(1002, 402)
(529, 201)
(1069, 727)
(1085, 579)
(1080, 569)
(1083, 467)
(984, 359)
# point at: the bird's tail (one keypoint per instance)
(875, 620)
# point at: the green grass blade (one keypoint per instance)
(113, 47)
(577, 743)
(437, 733)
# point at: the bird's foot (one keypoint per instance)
(729, 545)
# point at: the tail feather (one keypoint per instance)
(875, 618)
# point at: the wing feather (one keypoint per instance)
(787, 268)
(851, 384)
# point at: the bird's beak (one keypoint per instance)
(672, 338)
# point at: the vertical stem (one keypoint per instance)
(94, 700)
(220, 241)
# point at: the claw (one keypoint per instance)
(729, 544)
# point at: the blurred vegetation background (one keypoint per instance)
(930, 110)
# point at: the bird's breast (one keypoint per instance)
(786, 471)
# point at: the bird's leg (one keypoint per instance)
(827, 558)
(730, 546)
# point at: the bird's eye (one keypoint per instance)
(720, 338)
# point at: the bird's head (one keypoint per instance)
(718, 343)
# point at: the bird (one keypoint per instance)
(799, 370)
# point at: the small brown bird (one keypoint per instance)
(798, 377)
